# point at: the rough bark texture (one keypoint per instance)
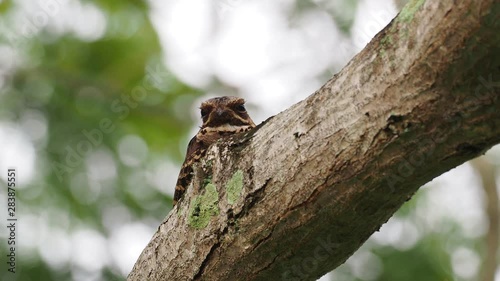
(296, 197)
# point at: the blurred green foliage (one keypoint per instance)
(76, 84)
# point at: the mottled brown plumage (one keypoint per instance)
(222, 116)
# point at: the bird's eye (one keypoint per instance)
(241, 108)
(204, 112)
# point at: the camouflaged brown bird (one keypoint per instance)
(222, 116)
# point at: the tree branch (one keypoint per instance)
(486, 171)
(296, 197)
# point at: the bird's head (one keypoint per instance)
(225, 112)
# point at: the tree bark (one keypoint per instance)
(294, 198)
(487, 173)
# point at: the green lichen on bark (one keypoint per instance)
(204, 207)
(234, 187)
(384, 43)
(409, 10)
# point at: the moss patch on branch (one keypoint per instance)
(409, 10)
(203, 207)
(234, 187)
